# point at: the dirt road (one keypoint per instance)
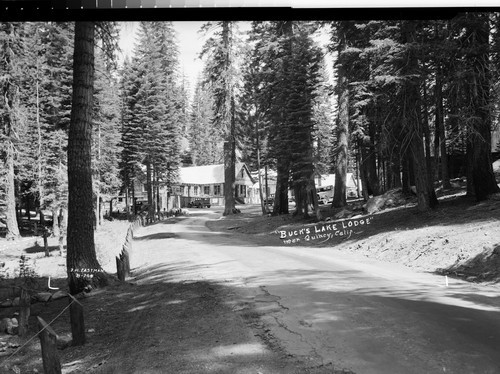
(315, 306)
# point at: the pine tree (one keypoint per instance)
(477, 32)
(304, 79)
(81, 252)
(152, 110)
(204, 140)
(342, 125)
(106, 136)
(220, 50)
(11, 52)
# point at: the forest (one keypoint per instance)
(412, 103)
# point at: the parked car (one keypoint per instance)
(199, 203)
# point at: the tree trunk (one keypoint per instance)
(229, 181)
(263, 204)
(340, 192)
(281, 195)
(440, 137)
(55, 222)
(412, 122)
(63, 226)
(8, 117)
(80, 242)
(427, 135)
(127, 202)
(10, 196)
(96, 211)
(369, 167)
(230, 163)
(479, 141)
(149, 189)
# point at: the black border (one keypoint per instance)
(50, 10)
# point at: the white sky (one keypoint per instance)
(190, 45)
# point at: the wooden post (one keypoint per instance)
(24, 312)
(48, 341)
(77, 322)
(35, 228)
(126, 260)
(45, 242)
(120, 269)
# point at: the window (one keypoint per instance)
(217, 190)
(195, 191)
(243, 191)
(206, 190)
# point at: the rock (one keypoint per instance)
(6, 304)
(43, 296)
(63, 341)
(374, 204)
(59, 295)
(15, 302)
(12, 326)
(344, 213)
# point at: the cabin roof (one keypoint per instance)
(207, 174)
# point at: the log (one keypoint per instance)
(48, 341)
(24, 312)
(77, 321)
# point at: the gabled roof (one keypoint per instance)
(329, 180)
(207, 174)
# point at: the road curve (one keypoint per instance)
(328, 307)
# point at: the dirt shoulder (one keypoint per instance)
(460, 238)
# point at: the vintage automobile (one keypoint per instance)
(199, 203)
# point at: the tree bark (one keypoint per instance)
(412, 122)
(10, 197)
(55, 222)
(81, 253)
(63, 227)
(281, 195)
(440, 137)
(230, 163)
(149, 192)
(340, 192)
(479, 141)
(8, 118)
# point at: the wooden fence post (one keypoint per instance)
(45, 242)
(24, 312)
(126, 261)
(48, 341)
(120, 269)
(77, 322)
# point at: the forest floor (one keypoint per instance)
(460, 238)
